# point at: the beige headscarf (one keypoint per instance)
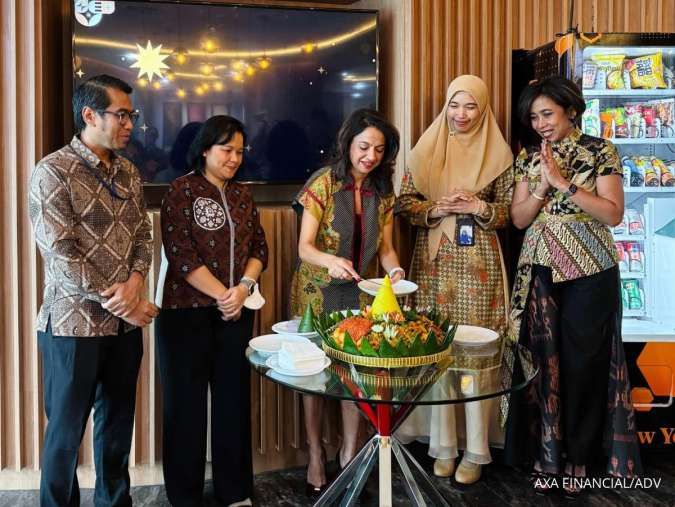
(443, 161)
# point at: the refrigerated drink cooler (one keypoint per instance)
(628, 83)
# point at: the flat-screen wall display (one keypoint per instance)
(290, 75)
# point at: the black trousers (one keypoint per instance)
(198, 351)
(81, 373)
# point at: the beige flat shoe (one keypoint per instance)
(467, 472)
(444, 467)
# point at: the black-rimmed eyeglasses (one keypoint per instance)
(124, 116)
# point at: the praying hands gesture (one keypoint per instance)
(550, 171)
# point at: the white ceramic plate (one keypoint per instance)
(273, 362)
(401, 288)
(290, 327)
(474, 335)
(311, 382)
(271, 343)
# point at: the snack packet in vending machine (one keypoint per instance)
(622, 228)
(612, 67)
(607, 123)
(590, 71)
(590, 119)
(635, 177)
(662, 170)
(621, 127)
(668, 174)
(635, 258)
(623, 256)
(652, 178)
(646, 71)
(635, 120)
(635, 224)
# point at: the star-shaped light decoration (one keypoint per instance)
(150, 61)
(144, 127)
(249, 147)
(79, 73)
(321, 70)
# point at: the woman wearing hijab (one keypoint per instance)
(457, 191)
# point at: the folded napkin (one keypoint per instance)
(300, 356)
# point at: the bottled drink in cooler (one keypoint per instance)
(634, 295)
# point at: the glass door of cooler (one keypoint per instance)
(630, 99)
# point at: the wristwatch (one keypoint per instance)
(249, 283)
(571, 190)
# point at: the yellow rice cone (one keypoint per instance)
(385, 300)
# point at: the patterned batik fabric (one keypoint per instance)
(196, 232)
(89, 239)
(582, 392)
(465, 283)
(331, 202)
(563, 237)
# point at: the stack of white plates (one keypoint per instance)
(290, 327)
(268, 344)
(273, 362)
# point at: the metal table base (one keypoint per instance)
(348, 485)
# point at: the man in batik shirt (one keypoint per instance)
(87, 210)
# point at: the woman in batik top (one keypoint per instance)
(216, 250)
(457, 192)
(347, 225)
(566, 302)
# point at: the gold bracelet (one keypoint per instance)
(537, 197)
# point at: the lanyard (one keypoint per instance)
(230, 222)
(110, 187)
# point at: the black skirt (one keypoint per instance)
(579, 404)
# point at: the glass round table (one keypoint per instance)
(386, 396)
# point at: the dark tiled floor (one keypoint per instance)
(500, 486)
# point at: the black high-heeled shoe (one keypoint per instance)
(311, 490)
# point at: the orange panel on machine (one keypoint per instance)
(657, 364)
(639, 396)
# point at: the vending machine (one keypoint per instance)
(628, 83)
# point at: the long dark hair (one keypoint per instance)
(357, 122)
(216, 130)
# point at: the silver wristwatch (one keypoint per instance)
(249, 283)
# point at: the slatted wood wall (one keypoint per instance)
(425, 43)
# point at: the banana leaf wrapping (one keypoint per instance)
(391, 341)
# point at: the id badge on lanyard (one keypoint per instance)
(464, 230)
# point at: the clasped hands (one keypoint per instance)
(124, 301)
(231, 301)
(458, 202)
